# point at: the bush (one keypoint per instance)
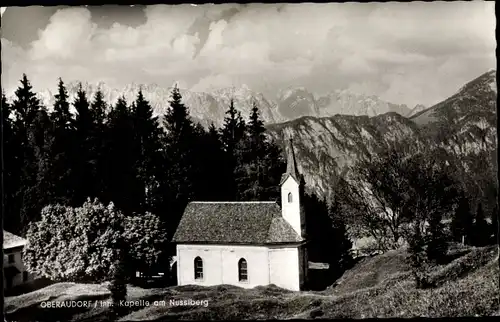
(437, 245)
(417, 257)
(481, 228)
(317, 312)
(118, 288)
(73, 244)
(82, 244)
(146, 238)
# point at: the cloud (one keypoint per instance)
(355, 64)
(404, 52)
(68, 33)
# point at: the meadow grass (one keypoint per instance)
(376, 287)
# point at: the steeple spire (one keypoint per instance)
(291, 164)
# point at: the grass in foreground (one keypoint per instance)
(380, 286)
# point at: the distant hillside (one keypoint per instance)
(474, 100)
(326, 146)
(464, 125)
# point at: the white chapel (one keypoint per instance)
(245, 243)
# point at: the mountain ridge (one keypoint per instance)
(464, 125)
(208, 107)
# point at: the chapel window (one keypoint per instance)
(198, 268)
(242, 270)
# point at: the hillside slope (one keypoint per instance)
(474, 98)
(326, 146)
(377, 287)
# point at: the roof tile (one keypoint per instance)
(234, 223)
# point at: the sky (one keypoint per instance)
(406, 53)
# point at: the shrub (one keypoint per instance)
(118, 287)
(146, 238)
(317, 312)
(73, 244)
(417, 257)
(481, 228)
(437, 245)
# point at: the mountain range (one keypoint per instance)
(464, 125)
(289, 104)
(331, 132)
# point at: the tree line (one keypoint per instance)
(62, 165)
(126, 155)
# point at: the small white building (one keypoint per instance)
(14, 271)
(245, 243)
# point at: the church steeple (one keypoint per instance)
(291, 184)
(291, 164)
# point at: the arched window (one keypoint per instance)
(198, 268)
(290, 198)
(242, 270)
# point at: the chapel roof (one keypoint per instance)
(11, 241)
(234, 223)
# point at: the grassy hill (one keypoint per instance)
(378, 286)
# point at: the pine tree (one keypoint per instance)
(83, 148)
(61, 117)
(462, 221)
(40, 190)
(83, 119)
(233, 130)
(342, 259)
(12, 166)
(62, 148)
(481, 228)
(214, 175)
(180, 164)
(146, 144)
(213, 133)
(252, 161)
(42, 141)
(26, 108)
(7, 122)
(98, 108)
(97, 138)
(217, 167)
(176, 120)
(256, 130)
(25, 105)
(120, 178)
(274, 167)
(233, 137)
